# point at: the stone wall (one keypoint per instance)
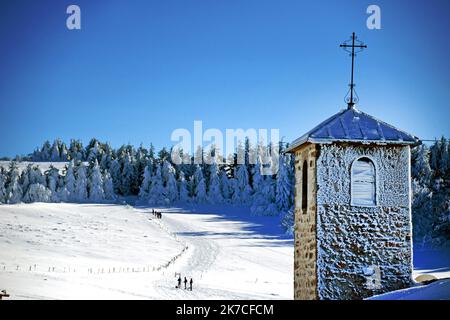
(363, 251)
(305, 273)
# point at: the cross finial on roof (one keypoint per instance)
(360, 46)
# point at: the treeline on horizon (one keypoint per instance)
(98, 173)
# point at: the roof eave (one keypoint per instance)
(297, 143)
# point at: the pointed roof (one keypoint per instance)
(353, 125)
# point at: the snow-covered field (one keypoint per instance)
(437, 290)
(88, 251)
(104, 251)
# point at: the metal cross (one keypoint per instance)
(360, 46)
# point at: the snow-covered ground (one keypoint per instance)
(92, 251)
(438, 290)
(88, 251)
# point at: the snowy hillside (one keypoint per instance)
(438, 290)
(81, 251)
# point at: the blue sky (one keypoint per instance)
(137, 70)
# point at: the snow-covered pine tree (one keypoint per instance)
(146, 183)
(420, 164)
(259, 200)
(95, 183)
(93, 151)
(183, 188)
(284, 195)
(141, 164)
(63, 193)
(115, 172)
(199, 185)
(422, 213)
(106, 158)
(287, 221)
(55, 154)
(45, 151)
(13, 187)
(37, 193)
(80, 193)
(108, 187)
(128, 176)
(2, 186)
(157, 191)
(169, 182)
(76, 150)
(225, 188)
(24, 179)
(443, 156)
(70, 181)
(214, 188)
(242, 191)
(52, 175)
(64, 153)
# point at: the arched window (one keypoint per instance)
(304, 186)
(363, 183)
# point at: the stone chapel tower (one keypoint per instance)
(352, 208)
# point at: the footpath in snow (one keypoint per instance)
(91, 251)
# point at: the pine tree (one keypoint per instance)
(2, 186)
(108, 187)
(284, 187)
(52, 182)
(420, 164)
(55, 154)
(70, 182)
(115, 172)
(146, 183)
(63, 194)
(183, 188)
(76, 150)
(95, 183)
(64, 154)
(225, 186)
(80, 193)
(37, 193)
(128, 176)
(242, 190)
(45, 151)
(422, 212)
(214, 189)
(199, 185)
(157, 191)
(287, 221)
(169, 182)
(259, 200)
(93, 151)
(13, 188)
(25, 178)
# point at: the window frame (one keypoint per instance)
(305, 186)
(375, 177)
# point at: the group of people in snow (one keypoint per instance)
(157, 214)
(178, 286)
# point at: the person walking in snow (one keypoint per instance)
(185, 283)
(190, 285)
(179, 282)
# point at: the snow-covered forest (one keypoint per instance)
(99, 173)
(431, 194)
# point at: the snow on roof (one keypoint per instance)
(353, 125)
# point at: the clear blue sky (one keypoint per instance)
(140, 69)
